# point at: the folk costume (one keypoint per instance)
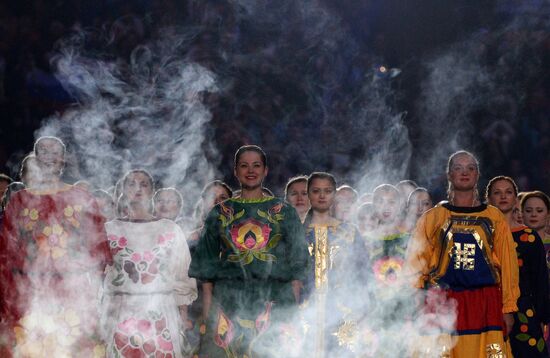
(468, 253)
(144, 287)
(526, 337)
(334, 277)
(251, 250)
(54, 251)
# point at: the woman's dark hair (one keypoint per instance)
(294, 180)
(535, 194)
(499, 178)
(213, 184)
(250, 148)
(142, 171)
(314, 176)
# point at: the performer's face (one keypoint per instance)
(215, 195)
(387, 207)
(420, 203)
(297, 196)
(250, 170)
(535, 213)
(321, 193)
(167, 205)
(503, 195)
(138, 188)
(50, 156)
(517, 214)
(344, 204)
(463, 173)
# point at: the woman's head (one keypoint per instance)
(387, 204)
(344, 204)
(462, 172)
(535, 207)
(167, 203)
(50, 153)
(137, 187)
(321, 190)
(296, 194)
(502, 192)
(419, 202)
(250, 167)
(213, 193)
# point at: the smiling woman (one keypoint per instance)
(53, 251)
(251, 257)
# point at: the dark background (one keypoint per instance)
(279, 73)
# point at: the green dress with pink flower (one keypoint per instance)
(143, 289)
(250, 250)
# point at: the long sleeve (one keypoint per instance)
(506, 259)
(295, 237)
(420, 252)
(539, 280)
(205, 261)
(185, 288)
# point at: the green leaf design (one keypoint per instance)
(247, 258)
(265, 257)
(279, 217)
(119, 280)
(522, 337)
(233, 258)
(273, 241)
(239, 215)
(223, 220)
(540, 344)
(522, 318)
(262, 214)
(246, 323)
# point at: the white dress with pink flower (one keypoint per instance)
(144, 287)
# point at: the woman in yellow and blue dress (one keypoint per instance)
(465, 250)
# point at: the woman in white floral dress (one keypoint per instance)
(147, 289)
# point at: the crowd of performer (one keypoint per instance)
(121, 273)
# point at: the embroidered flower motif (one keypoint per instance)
(224, 331)
(46, 335)
(142, 267)
(275, 209)
(71, 212)
(387, 270)
(116, 243)
(30, 217)
(250, 235)
(251, 239)
(53, 241)
(166, 238)
(143, 338)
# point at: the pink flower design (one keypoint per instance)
(250, 235)
(163, 239)
(116, 243)
(143, 338)
(136, 257)
(148, 256)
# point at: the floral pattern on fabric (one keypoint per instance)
(251, 239)
(142, 267)
(52, 242)
(38, 335)
(143, 337)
